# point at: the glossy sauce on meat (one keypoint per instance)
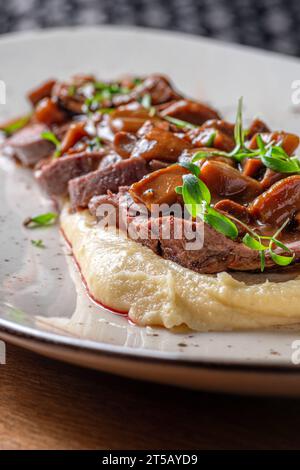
(140, 133)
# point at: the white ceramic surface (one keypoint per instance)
(39, 284)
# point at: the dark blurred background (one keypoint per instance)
(268, 24)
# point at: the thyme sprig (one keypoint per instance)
(146, 102)
(41, 220)
(48, 135)
(102, 93)
(38, 243)
(197, 199)
(272, 154)
(13, 126)
(180, 123)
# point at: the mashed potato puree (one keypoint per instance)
(127, 276)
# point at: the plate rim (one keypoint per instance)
(17, 36)
(140, 355)
(124, 352)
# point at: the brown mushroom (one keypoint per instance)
(75, 132)
(280, 202)
(233, 208)
(190, 111)
(124, 143)
(158, 86)
(49, 113)
(159, 187)
(239, 212)
(219, 125)
(271, 177)
(160, 144)
(128, 118)
(42, 91)
(252, 167)
(224, 180)
(289, 142)
(127, 124)
(257, 127)
(215, 130)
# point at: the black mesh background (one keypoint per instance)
(269, 24)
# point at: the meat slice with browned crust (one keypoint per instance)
(54, 176)
(28, 145)
(194, 245)
(123, 173)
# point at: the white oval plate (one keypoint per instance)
(43, 303)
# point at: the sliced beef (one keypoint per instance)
(214, 253)
(110, 159)
(208, 252)
(122, 207)
(157, 165)
(162, 235)
(98, 182)
(54, 176)
(28, 146)
(108, 198)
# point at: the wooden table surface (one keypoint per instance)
(46, 404)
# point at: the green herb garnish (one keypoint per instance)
(104, 92)
(16, 125)
(180, 123)
(238, 128)
(195, 169)
(255, 242)
(41, 220)
(220, 223)
(197, 199)
(71, 90)
(146, 101)
(92, 103)
(137, 81)
(110, 88)
(95, 143)
(48, 135)
(106, 110)
(209, 142)
(272, 155)
(38, 243)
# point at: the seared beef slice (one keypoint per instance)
(28, 146)
(54, 176)
(98, 182)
